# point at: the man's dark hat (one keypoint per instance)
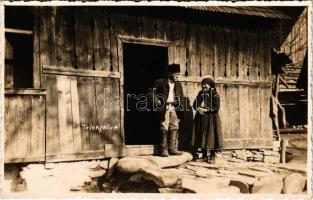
(173, 68)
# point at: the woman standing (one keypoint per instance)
(207, 125)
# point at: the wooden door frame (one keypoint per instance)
(121, 39)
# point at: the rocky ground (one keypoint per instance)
(243, 171)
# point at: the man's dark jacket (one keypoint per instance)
(161, 88)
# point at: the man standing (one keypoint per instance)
(168, 100)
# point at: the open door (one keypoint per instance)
(143, 64)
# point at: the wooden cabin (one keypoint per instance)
(69, 69)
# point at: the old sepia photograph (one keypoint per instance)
(196, 99)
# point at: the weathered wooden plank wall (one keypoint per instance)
(77, 101)
(25, 138)
(87, 38)
(295, 44)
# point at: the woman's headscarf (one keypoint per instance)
(208, 80)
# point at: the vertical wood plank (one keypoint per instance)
(116, 116)
(37, 127)
(233, 112)
(244, 111)
(263, 114)
(22, 141)
(83, 37)
(193, 65)
(65, 115)
(215, 64)
(176, 29)
(134, 26)
(103, 112)
(242, 67)
(77, 143)
(159, 29)
(223, 112)
(51, 48)
(219, 53)
(267, 56)
(168, 35)
(64, 40)
(266, 107)
(87, 114)
(233, 51)
(249, 56)
(182, 48)
(204, 45)
(254, 56)
(116, 24)
(148, 27)
(261, 56)
(210, 50)
(36, 49)
(43, 40)
(222, 53)
(253, 112)
(52, 130)
(99, 37)
(257, 112)
(109, 103)
(197, 51)
(229, 49)
(257, 56)
(10, 131)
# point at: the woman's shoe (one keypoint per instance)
(203, 159)
(211, 160)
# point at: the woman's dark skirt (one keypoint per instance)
(207, 132)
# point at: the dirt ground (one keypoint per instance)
(227, 175)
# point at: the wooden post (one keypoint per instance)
(2, 44)
(283, 146)
(277, 86)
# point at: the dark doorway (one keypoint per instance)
(143, 64)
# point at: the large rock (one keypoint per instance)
(258, 157)
(241, 154)
(271, 159)
(227, 172)
(170, 190)
(97, 173)
(294, 184)
(161, 177)
(202, 171)
(136, 178)
(245, 179)
(132, 165)
(253, 173)
(266, 152)
(226, 190)
(269, 185)
(171, 161)
(195, 185)
(218, 182)
(242, 185)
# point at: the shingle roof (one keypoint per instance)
(267, 12)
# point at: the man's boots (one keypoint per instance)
(173, 144)
(211, 159)
(164, 145)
